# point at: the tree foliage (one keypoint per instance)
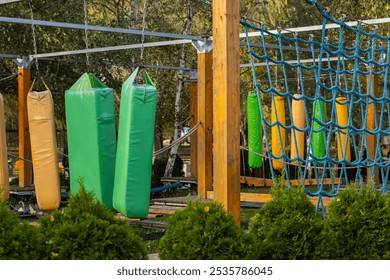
(19, 240)
(87, 230)
(286, 228)
(361, 218)
(203, 231)
(162, 15)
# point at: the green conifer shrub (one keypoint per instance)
(203, 231)
(360, 218)
(87, 230)
(18, 240)
(287, 228)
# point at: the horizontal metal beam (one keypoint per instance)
(309, 60)
(105, 62)
(98, 28)
(112, 48)
(8, 1)
(317, 27)
(147, 45)
(12, 56)
(277, 47)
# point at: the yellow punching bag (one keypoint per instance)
(343, 145)
(372, 110)
(278, 145)
(4, 179)
(298, 146)
(44, 148)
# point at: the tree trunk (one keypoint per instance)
(176, 135)
(158, 140)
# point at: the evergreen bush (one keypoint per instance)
(203, 231)
(91, 238)
(87, 230)
(360, 218)
(287, 228)
(19, 240)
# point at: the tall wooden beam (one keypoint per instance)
(193, 122)
(24, 82)
(226, 65)
(205, 115)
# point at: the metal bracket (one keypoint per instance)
(205, 45)
(193, 75)
(24, 61)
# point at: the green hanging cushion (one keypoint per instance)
(255, 134)
(90, 117)
(318, 138)
(133, 168)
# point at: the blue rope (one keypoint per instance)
(345, 72)
(167, 187)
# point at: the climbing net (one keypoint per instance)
(321, 93)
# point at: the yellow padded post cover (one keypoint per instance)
(4, 179)
(44, 148)
(278, 141)
(343, 145)
(298, 146)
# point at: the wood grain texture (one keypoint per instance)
(193, 121)
(205, 130)
(25, 168)
(226, 65)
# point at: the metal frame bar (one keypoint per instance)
(181, 39)
(277, 47)
(146, 45)
(8, 1)
(317, 27)
(308, 60)
(112, 48)
(178, 36)
(18, 57)
(98, 28)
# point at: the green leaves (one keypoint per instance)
(287, 228)
(357, 226)
(203, 231)
(361, 220)
(87, 230)
(18, 240)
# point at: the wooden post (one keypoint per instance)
(372, 89)
(205, 115)
(226, 15)
(24, 83)
(193, 122)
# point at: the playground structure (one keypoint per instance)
(343, 108)
(216, 150)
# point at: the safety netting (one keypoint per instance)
(323, 100)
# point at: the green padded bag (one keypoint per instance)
(133, 168)
(255, 134)
(90, 117)
(318, 139)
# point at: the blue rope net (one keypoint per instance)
(340, 79)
